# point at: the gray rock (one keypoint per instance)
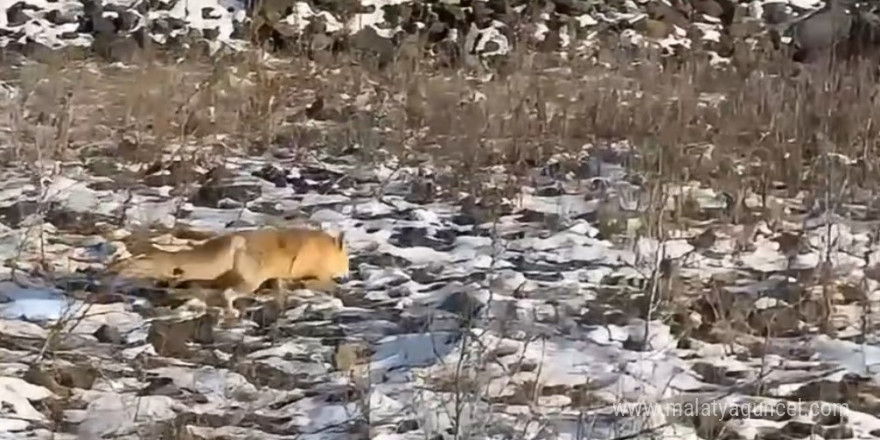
(371, 44)
(775, 13)
(115, 47)
(16, 16)
(58, 17)
(822, 31)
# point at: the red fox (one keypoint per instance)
(240, 262)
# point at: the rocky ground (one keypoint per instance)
(553, 208)
(526, 326)
(450, 32)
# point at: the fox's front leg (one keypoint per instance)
(242, 280)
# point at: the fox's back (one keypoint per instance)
(203, 262)
(299, 252)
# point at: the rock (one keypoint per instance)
(18, 398)
(172, 174)
(709, 7)
(267, 314)
(113, 413)
(96, 24)
(114, 48)
(217, 187)
(654, 28)
(108, 334)
(76, 376)
(170, 338)
(821, 31)
(126, 20)
(14, 214)
(741, 31)
(211, 195)
(451, 33)
(462, 304)
(775, 13)
(405, 30)
(571, 7)
(270, 26)
(59, 18)
(782, 321)
(15, 14)
(373, 46)
(662, 12)
(83, 222)
(272, 174)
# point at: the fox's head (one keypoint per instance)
(338, 261)
(318, 254)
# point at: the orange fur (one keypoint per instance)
(242, 261)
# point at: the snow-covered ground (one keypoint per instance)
(526, 319)
(121, 28)
(525, 326)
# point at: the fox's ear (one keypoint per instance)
(340, 239)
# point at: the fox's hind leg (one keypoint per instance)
(310, 274)
(242, 280)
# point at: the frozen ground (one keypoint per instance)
(454, 326)
(531, 317)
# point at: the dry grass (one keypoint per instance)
(754, 127)
(768, 123)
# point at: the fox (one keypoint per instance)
(240, 262)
